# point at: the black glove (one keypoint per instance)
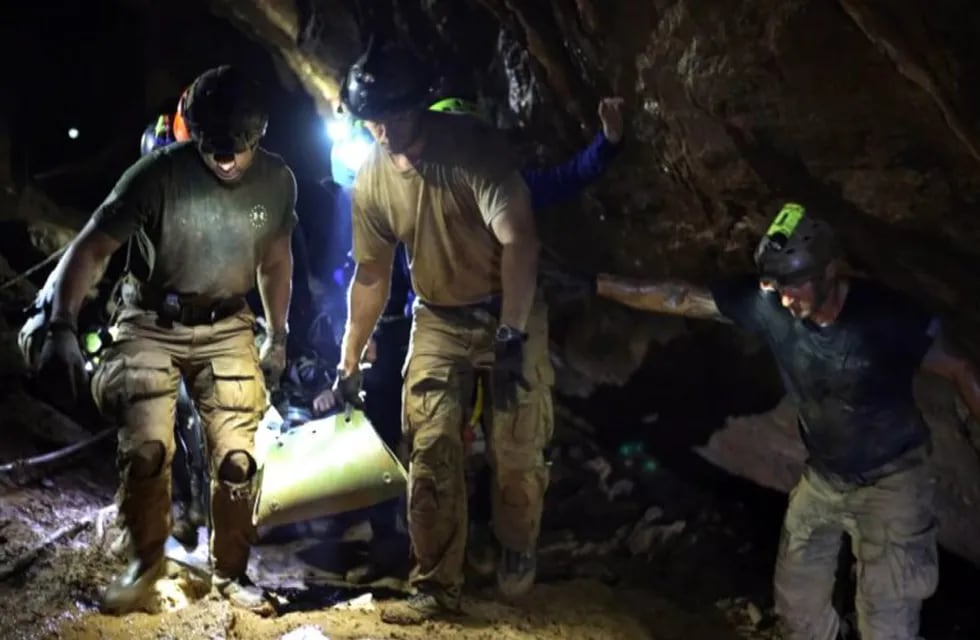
(272, 358)
(347, 389)
(508, 368)
(562, 285)
(61, 368)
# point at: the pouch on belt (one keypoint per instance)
(326, 467)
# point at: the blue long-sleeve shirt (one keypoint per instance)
(548, 186)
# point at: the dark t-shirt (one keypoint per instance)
(194, 234)
(852, 379)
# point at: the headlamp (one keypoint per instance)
(350, 145)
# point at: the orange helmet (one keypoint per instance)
(181, 132)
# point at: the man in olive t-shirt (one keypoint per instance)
(203, 218)
(450, 190)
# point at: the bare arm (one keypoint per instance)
(365, 302)
(275, 280)
(82, 266)
(514, 228)
(673, 297)
(945, 360)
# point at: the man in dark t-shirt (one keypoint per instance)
(848, 350)
(204, 219)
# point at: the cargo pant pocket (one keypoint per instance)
(428, 401)
(530, 424)
(900, 565)
(237, 385)
(124, 379)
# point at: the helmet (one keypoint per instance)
(385, 79)
(455, 105)
(156, 135)
(180, 124)
(224, 111)
(796, 247)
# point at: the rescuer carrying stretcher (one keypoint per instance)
(449, 188)
(204, 220)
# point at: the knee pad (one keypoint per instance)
(236, 467)
(146, 460)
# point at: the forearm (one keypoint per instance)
(518, 273)
(275, 288)
(80, 270)
(673, 297)
(366, 300)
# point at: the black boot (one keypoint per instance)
(516, 572)
(183, 529)
(481, 554)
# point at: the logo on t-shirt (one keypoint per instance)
(258, 216)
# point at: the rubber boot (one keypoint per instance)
(133, 586)
(516, 572)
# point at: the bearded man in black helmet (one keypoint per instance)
(848, 350)
(204, 220)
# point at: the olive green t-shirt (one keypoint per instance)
(194, 233)
(441, 209)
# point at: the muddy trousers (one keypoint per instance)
(892, 529)
(446, 352)
(137, 385)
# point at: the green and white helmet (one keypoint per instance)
(796, 247)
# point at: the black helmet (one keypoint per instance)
(386, 78)
(796, 247)
(225, 112)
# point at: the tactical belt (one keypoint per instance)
(908, 460)
(480, 313)
(187, 309)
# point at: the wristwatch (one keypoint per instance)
(59, 324)
(507, 333)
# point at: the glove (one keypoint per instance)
(563, 286)
(347, 388)
(272, 358)
(61, 367)
(508, 369)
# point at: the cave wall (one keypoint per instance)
(863, 108)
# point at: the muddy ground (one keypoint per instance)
(630, 550)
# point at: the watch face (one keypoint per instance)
(505, 333)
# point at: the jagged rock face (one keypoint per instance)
(860, 108)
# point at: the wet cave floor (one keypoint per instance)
(630, 548)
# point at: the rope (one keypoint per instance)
(23, 276)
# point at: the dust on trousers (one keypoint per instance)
(446, 352)
(892, 528)
(137, 385)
